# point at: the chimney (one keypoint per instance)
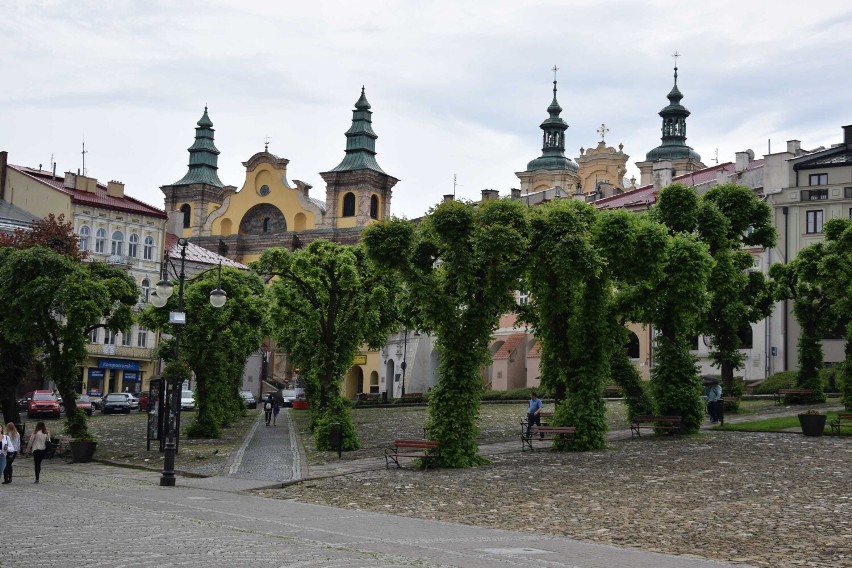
(70, 180)
(490, 194)
(4, 159)
(449, 197)
(662, 174)
(115, 189)
(301, 186)
(793, 146)
(516, 193)
(847, 135)
(87, 184)
(743, 158)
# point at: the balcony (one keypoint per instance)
(99, 350)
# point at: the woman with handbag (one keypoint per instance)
(37, 446)
(12, 452)
(4, 446)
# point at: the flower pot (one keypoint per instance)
(82, 450)
(300, 405)
(812, 424)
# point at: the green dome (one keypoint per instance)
(552, 163)
(553, 141)
(673, 152)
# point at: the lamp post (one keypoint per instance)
(164, 290)
(403, 365)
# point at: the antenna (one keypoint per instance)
(716, 158)
(84, 152)
(455, 185)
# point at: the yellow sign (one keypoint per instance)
(359, 360)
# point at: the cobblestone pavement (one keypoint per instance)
(269, 453)
(94, 515)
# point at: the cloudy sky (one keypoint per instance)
(457, 87)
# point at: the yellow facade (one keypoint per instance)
(35, 196)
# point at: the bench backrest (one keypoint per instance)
(657, 419)
(795, 391)
(555, 429)
(845, 416)
(425, 444)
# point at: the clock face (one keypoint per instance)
(264, 190)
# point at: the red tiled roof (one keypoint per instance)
(198, 254)
(509, 345)
(98, 199)
(535, 350)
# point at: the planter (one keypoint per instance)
(812, 424)
(82, 450)
(300, 405)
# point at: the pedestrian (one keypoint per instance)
(276, 408)
(12, 450)
(714, 399)
(534, 413)
(267, 408)
(37, 446)
(4, 446)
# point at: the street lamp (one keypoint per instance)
(403, 365)
(159, 297)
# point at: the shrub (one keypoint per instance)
(782, 380)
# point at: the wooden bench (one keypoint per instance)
(670, 424)
(427, 450)
(544, 417)
(843, 420)
(546, 434)
(368, 396)
(780, 394)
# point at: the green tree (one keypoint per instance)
(326, 301)
(569, 299)
(215, 342)
(837, 266)
(461, 266)
(56, 302)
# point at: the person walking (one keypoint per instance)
(37, 446)
(714, 399)
(4, 447)
(267, 408)
(276, 408)
(534, 413)
(12, 452)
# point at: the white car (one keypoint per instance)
(187, 400)
(134, 400)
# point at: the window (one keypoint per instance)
(266, 225)
(117, 243)
(523, 297)
(84, 237)
(100, 241)
(187, 214)
(142, 338)
(814, 221)
(818, 179)
(93, 335)
(374, 207)
(126, 338)
(133, 245)
(349, 205)
(847, 192)
(746, 337)
(109, 337)
(148, 249)
(145, 288)
(633, 346)
(815, 194)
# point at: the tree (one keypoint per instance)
(570, 290)
(214, 342)
(326, 301)
(461, 266)
(837, 266)
(56, 302)
(732, 217)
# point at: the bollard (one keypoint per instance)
(384, 397)
(335, 438)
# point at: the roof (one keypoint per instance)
(98, 199)
(509, 346)
(13, 217)
(199, 254)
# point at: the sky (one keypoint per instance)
(457, 88)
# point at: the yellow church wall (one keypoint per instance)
(346, 222)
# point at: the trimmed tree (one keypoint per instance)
(461, 265)
(837, 266)
(326, 301)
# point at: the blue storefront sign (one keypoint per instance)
(131, 376)
(122, 364)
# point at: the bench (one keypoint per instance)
(546, 434)
(670, 424)
(545, 416)
(843, 420)
(427, 450)
(368, 397)
(780, 394)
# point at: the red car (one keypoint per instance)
(43, 403)
(143, 401)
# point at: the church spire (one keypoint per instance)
(674, 115)
(553, 139)
(360, 140)
(203, 156)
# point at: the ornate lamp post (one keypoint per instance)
(178, 319)
(403, 365)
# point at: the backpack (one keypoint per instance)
(267, 406)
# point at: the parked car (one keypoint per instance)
(248, 398)
(143, 401)
(187, 400)
(97, 402)
(116, 402)
(43, 403)
(288, 396)
(134, 400)
(84, 403)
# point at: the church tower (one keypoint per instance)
(552, 168)
(200, 191)
(683, 159)
(358, 191)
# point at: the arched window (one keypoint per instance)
(133, 245)
(148, 248)
(633, 346)
(100, 241)
(145, 287)
(349, 205)
(84, 237)
(374, 207)
(266, 225)
(187, 214)
(117, 243)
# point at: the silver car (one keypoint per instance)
(288, 396)
(187, 400)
